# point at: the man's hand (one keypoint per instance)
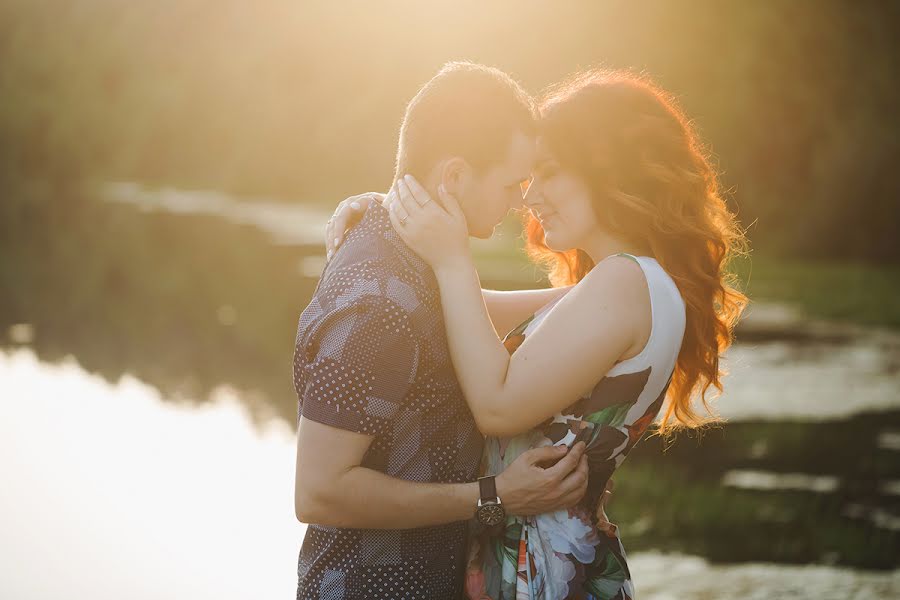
(526, 488)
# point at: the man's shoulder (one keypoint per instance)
(370, 276)
(365, 278)
(365, 244)
(370, 265)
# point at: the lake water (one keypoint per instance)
(113, 491)
(147, 441)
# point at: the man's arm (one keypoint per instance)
(331, 488)
(358, 361)
(507, 309)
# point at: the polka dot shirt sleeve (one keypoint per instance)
(362, 360)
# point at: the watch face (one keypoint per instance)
(491, 514)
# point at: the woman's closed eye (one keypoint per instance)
(514, 187)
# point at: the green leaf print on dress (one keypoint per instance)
(613, 416)
(617, 390)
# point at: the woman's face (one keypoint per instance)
(562, 202)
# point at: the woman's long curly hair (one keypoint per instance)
(653, 185)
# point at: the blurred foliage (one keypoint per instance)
(303, 99)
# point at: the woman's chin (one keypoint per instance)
(552, 241)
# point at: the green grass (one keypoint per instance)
(846, 291)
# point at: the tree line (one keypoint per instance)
(302, 100)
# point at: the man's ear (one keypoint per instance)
(455, 175)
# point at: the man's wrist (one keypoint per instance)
(506, 498)
(470, 494)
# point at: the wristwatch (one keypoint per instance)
(490, 510)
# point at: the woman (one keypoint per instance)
(626, 213)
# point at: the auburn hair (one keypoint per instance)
(652, 184)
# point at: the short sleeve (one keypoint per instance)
(361, 362)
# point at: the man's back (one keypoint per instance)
(371, 357)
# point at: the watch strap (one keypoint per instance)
(488, 487)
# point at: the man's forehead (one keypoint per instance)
(522, 155)
(543, 149)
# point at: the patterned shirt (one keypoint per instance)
(371, 356)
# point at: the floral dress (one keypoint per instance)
(568, 554)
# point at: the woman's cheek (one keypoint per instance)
(555, 234)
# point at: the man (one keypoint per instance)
(387, 450)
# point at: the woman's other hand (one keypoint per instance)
(439, 235)
(347, 214)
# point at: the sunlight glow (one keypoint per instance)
(112, 492)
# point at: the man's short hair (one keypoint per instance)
(467, 110)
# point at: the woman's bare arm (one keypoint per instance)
(581, 338)
(507, 309)
(598, 322)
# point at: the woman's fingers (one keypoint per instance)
(393, 204)
(389, 199)
(339, 225)
(403, 203)
(329, 237)
(424, 200)
(336, 223)
(347, 214)
(419, 194)
(394, 216)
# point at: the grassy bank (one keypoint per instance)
(853, 292)
(673, 497)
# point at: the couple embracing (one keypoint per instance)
(455, 442)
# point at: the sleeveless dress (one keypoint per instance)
(566, 555)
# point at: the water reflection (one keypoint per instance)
(185, 302)
(763, 480)
(677, 577)
(112, 492)
(889, 440)
(291, 224)
(118, 492)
